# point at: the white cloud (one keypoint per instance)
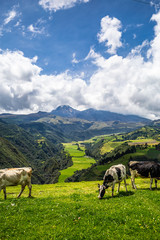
(134, 36)
(37, 28)
(110, 34)
(74, 60)
(10, 16)
(128, 85)
(138, 49)
(156, 4)
(17, 75)
(54, 5)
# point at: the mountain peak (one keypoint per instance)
(64, 108)
(65, 111)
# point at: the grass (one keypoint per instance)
(71, 211)
(80, 161)
(108, 146)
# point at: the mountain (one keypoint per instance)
(96, 115)
(66, 124)
(65, 111)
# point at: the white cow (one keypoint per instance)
(14, 177)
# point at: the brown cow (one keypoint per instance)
(14, 177)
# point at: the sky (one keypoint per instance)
(98, 54)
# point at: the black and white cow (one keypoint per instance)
(113, 175)
(146, 169)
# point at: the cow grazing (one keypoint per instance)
(15, 176)
(113, 175)
(146, 169)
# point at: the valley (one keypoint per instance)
(48, 142)
(59, 154)
(36, 139)
(80, 160)
(106, 150)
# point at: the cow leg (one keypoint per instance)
(30, 188)
(151, 181)
(155, 183)
(125, 184)
(119, 186)
(5, 194)
(22, 189)
(133, 182)
(113, 189)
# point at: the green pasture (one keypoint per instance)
(69, 211)
(111, 143)
(80, 161)
(109, 146)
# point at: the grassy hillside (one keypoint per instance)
(19, 148)
(110, 150)
(10, 156)
(73, 211)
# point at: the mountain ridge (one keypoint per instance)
(92, 114)
(66, 111)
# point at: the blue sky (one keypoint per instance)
(85, 53)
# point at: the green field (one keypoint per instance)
(68, 211)
(80, 161)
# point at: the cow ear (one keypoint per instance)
(98, 185)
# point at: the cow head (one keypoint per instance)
(102, 189)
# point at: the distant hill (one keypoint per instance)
(75, 129)
(66, 124)
(96, 115)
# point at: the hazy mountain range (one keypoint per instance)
(95, 115)
(69, 112)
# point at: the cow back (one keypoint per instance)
(146, 168)
(15, 176)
